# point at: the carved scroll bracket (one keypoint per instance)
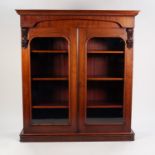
(24, 37)
(129, 40)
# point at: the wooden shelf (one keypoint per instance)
(104, 79)
(50, 121)
(98, 121)
(51, 79)
(58, 105)
(49, 51)
(103, 104)
(105, 52)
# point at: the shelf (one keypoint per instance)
(104, 120)
(50, 121)
(66, 78)
(104, 79)
(105, 52)
(51, 79)
(52, 105)
(103, 104)
(49, 51)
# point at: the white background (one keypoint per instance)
(143, 121)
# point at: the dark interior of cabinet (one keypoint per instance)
(50, 86)
(49, 65)
(104, 116)
(50, 93)
(105, 44)
(107, 92)
(105, 67)
(49, 43)
(54, 116)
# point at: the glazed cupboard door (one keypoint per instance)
(103, 81)
(52, 60)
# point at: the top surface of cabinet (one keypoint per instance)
(30, 18)
(79, 12)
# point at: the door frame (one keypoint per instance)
(69, 35)
(84, 36)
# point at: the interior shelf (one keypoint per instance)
(50, 51)
(49, 121)
(51, 105)
(104, 52)
(104, 79)
(104, 104)
(51, 79)
(104, 115)
(97, 121)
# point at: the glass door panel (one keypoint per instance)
(102, 70)
(105, 73)
(50, 86)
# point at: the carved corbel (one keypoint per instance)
(24, 37)
(129, 40)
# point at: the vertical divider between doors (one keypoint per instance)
(73, 80)
(77, 82)
(82, 80)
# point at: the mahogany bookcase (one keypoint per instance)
(77, 75)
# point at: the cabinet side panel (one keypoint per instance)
(26, 87)
(128, 87)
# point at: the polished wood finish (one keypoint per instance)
(79, 12)
(105, 52)
(104, 79)
(77, 75)
(49, 51)
(48, 106)
(50, 79)
(77, 137)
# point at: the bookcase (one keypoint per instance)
(77, 75)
